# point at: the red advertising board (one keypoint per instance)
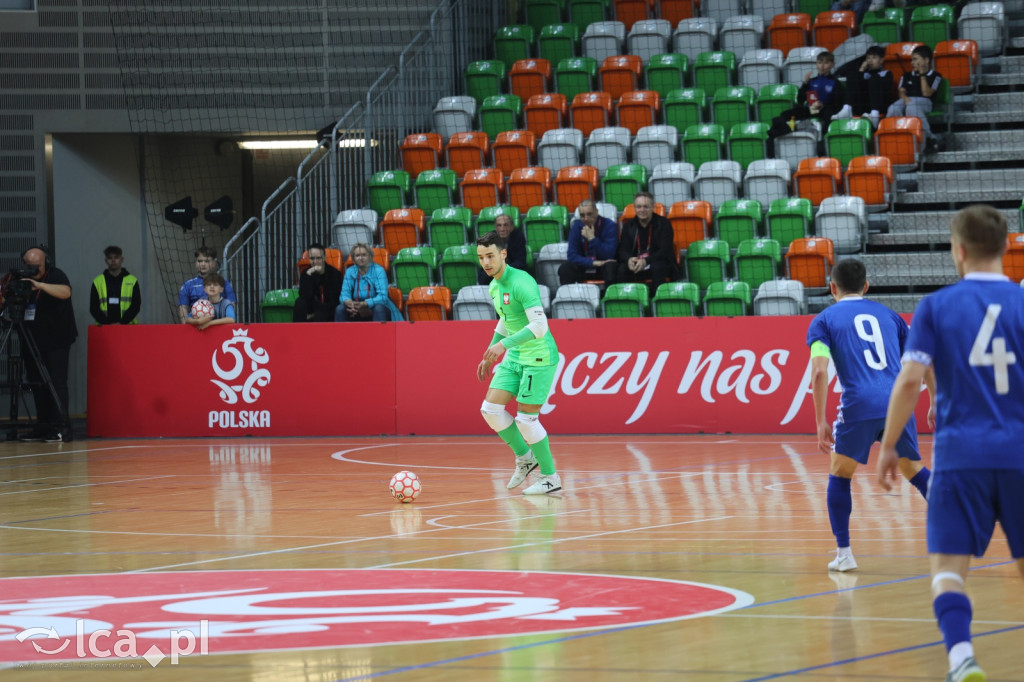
(649, 375)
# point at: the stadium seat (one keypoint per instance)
(844, 220)
(847, 138)
(545, 225)
(625, 300)
(427, 303)
(747, 143)
(529, 77)
(607, 147)
(474, 302)
(629, 12)
(541, 13)
(582, 13)
(414, 268)
(817, 178)
(603, 39)
(984, 23)
(706, 262)
(832, 28)
(780, 297)
(799, 145)
(449, 226)
(559, 148)
(380, 256)
(466, 151)
(901, 140)
(458, 267)
(621, 183)
(714, 70)
(672, 182)
(482, 187)
(528, 187)
(656, 145)
(727, 299)
(621, 74)
(675, 11)
(684, 108)
(499, 113)
(703, 143)
(789, 218)
(485, 221)
(897, 58)
(675, 299)
(871, 179)
(759, 68)
(718, 181)
(354, 226)
(575, 75)
(772, 100)
(420, 152)
(799, 62)
(435, 189)
(278, 305)
(638, 109)
(767, 9)
(884, 26)
(648, 38)
(767, 180)
(514, 149)
(740, 33)
(549, 259)
(812, 7)
(738, 220)
(557, 42)
(332, 257)
(589, 111)
(957, 61)
(454, 115)
(731, 105)
(666, 72)
(575, 301)
(573, 184)
(942, 108)
(1013, 258)
(757, 261)
(789, 31)
(931, 24)
(484, 79)
(512, 43)
(402, 228)
(694, 36)
(388, 190)
(545, 112)
(809, 261)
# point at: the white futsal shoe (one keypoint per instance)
(524, 465)
(843, 563)
(545, 485)
(968, 671)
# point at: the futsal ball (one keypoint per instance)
(202, 308)
(405, 486)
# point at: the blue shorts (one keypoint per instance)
(964, 505)
(854, 439)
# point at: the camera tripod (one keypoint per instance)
(11, 321)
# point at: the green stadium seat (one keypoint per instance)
(676, 299)
(942, 111)
(706, 262)
(727, 299)
(459, 267)
(582, 13)
(484, 79)
(435, 189)
(388, 190)
(548, 224)
(575, 76)
(557, 42)
(738, 220)
(485, 221)
(714, 70)
(813, 7)
(625, 300)
(684, 108)
(848, 138)
(541, 13)
(931, 24)
(278, 305)
(621, 183)
(500, 113)
(788, 219)
(747, 142)
(732, 105)
(757, 261)
(414, 267)
(512, 43)
(667, 72)
(773, 99)
(885, 26)
(449, 226)
(702, 143)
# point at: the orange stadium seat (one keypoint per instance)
(871, 179)
(529, 187)
(817, 178)
(529, 77)
(395, 294)
(420, 152)
(957, 60)
(901, 140)
(676, 10)
(401, 228)
(466, 151)
(514, 149)
(691, 222)
(1013, 259)
(545, 112)
(481, 188)
(573, 184)
(429, 303)
(830, 29)
(631, 11)
(809, 261)
(897, 58)
(638, 109)
(591, 110)
(380, 256)
(787, 31)
(331, 256)
(621, 73)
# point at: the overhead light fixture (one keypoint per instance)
(277, 144)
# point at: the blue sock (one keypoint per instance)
(920, 481)
(840, 504)
(953, 611)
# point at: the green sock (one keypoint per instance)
(515, 440)
(542, 451)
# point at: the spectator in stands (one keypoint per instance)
(364, 291)
(115, 297)
(193, 290)
(593, 242)
(223, 309)
(515, 244)
(646, 247)
(869, 90)
(858, 7)
(319, 288)
(820, 97)
(917, 91)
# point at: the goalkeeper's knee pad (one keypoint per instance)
(496, 416)
(529, 425)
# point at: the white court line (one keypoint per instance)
(87, 485)
(865, 619)
(29, 480)
(73, 452)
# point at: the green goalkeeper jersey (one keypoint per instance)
(513, 293)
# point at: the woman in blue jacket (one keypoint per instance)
(364, 291)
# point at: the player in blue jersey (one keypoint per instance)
(865, 341)
(972, 334)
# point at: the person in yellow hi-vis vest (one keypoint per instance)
(116, 297)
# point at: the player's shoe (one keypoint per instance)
(843, 563)
(524, 465)
(968, 671)
(545, 485)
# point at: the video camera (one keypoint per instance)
(16, 290)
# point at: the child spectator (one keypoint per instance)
(223, 309)
(869, 90)
(820, 96)
(917, 91)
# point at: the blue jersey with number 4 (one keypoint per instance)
(972, 333)
(865, 340)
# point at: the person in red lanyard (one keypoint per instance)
(364, 291)
(319, 288)
(593, 240)
(646, 249)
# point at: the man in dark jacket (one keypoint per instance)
(593, 240)
(319, 288)
(646, 248)
(820, 97)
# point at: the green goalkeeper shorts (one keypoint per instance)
(530, 384)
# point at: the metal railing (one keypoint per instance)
(261, 256)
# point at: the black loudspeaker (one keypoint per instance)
(181, 213)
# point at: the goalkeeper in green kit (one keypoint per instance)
(526, 373)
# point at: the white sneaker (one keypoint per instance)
(524, 465)
(874, 116)
(876, 5)
(545, 485)
(845, 112)
(843, 563)
(968, 671)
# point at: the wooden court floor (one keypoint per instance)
(696, 558)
